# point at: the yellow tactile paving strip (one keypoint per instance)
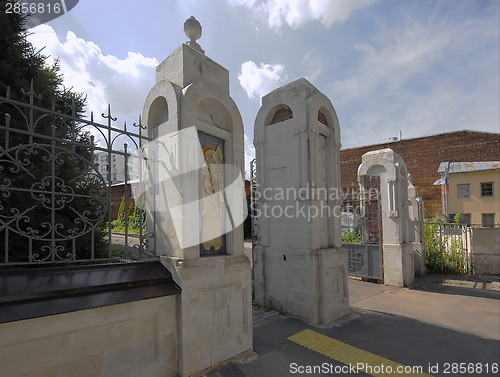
(346, 354)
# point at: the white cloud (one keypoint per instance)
(258, 81)
(123, 83)
(313, 64)
(422, 79)
(297, 13)
(247, 3)
(393, 57)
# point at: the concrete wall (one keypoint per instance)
(485, 245)
(127, 340)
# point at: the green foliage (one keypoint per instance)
(432, 248)
(352, 237)
(121, 210)
(136, 216)
(443, 252)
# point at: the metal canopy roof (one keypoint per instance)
(31, 293)
(469, 167)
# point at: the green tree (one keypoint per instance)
(20, 67)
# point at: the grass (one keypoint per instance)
(352, 237)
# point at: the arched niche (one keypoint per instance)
(278, 114)
(157, 113)
(213, 112)
(375, 170)
(324, 116)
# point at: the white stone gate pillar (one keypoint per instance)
(300, 267)
(197, 130)
(416, 228)
(397, 252)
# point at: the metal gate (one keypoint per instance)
(362, 232)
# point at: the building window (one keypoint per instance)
(104, 158)
(463, 190)
(487, 189)
(465, 218)
(488, 219)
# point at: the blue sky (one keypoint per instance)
(388, 66)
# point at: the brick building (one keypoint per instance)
(117, 193)
(423, 156)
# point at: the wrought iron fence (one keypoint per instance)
(56, 199)
(253, 204)
(360, 217)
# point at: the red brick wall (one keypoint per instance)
(423, 156)
(117, 193)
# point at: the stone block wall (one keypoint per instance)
(215, 318)
(127, 340)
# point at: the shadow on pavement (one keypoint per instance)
(406, 341)
(485, 286)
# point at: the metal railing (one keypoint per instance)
(55, 203)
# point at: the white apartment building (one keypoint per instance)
(113, 171)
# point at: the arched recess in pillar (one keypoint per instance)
(376, 171)
(278, 114)
(218, 122)
(157, 114)
(160, 109)
(321, 111)
(369, 168)
(201, 99)
(214, 112)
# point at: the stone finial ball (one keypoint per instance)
(192, 28)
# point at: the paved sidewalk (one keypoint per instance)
(440, 319)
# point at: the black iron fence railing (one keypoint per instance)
(56, 177)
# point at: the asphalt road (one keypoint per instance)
(448, 326)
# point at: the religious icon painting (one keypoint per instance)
(212, 203)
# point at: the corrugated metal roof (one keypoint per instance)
(469, 167)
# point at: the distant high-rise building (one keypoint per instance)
(112, 167)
